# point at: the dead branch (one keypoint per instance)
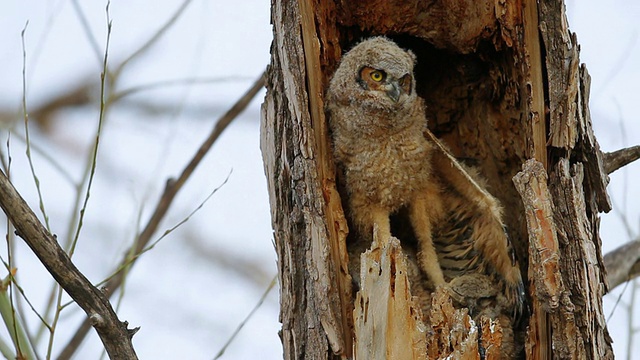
(114, 334)
(85, 92)
(77, 96)
(617, 159)
(172, 187)
(623, 264)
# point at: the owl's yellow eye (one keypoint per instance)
(377, 75)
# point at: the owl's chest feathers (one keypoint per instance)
(388, 170)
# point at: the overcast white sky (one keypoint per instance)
(608, 35)
(182, 294)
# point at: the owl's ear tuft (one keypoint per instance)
(413, 56)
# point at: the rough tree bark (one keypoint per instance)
(503, 86)
(115, 335)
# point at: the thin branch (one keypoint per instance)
(15, 284)
(622, 264)
(101, 116)
(618, 302)
(4, 162)
(132, 257)
(77, 96)
(172, 187)
(6, 350)
(157, 35)
(617, 159)
(177, 82)
(631, 316)
(13, 323)
(26, 126)
(246, 319)
(44, 115)
(113, 333)
(50, 158)
(87, 30)
(93, 158)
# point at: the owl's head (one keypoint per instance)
(376, 73)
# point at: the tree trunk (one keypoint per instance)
(503, 85)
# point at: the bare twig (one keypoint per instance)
(172, 187)
(617, 159)
(77, 96)
(101, 116)
(246, 319)
(113, 333)
(166, 83)
(81, 95)
(623, 264)
(157, 35)
(631, 309)
(87, 30)
(13, 323)
(15, 284)
(49, 157)
(93, 158)
(132, 257)
(26, 126)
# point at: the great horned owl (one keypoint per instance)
(378, 126)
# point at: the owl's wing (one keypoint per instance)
(459, 177)
(462, 239)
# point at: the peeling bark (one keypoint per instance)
(311, 263)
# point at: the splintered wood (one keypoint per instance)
(452, 334)
(388, 320)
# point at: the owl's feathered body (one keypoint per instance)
(378, 127)
(470, 239)
(377, 122)
(386, 166)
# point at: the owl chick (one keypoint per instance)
(377, 121)
(378, 127)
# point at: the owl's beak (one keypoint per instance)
(393, 92)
